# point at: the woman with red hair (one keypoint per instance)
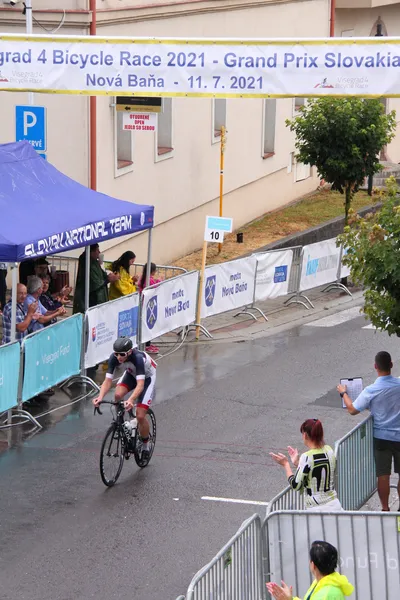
(315, 474)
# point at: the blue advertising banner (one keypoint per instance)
(10, 356)
(52, 355)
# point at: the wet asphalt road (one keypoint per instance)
(220, 408)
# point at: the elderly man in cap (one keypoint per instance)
(35, 289)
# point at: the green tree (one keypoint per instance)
(343, 137)
(373, 255)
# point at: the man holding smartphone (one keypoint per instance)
(382, 399)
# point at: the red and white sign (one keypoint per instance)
(139, 121)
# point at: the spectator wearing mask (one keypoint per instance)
(98, 281)
(24, 316)
(315, 469)
(35, 290)
(150, 348)
(126, 284)
(382, 399)
(328, 584)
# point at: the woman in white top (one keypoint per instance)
(315, 474)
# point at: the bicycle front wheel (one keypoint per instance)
(111, 456)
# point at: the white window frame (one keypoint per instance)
(215, 139)
(347, 33)
(165, 155)
(272, 152)
(128, 168)
(303, 103)
(301, 172)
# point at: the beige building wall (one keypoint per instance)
(361, 22)
(183, 184)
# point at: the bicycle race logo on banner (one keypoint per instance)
(152, 312)
(209, 291)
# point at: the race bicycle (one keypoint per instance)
(121, 440)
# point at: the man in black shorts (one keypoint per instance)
(138, 378)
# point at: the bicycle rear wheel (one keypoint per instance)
(151, 418)
(111, 456)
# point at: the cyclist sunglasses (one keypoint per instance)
(121, 354)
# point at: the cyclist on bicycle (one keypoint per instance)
(138, 378)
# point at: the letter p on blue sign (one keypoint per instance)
(30, 125)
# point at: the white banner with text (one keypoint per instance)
(228, 286)
(273, 270)
(106, 323)
(169, 305)
(320, 264)
(200, 67)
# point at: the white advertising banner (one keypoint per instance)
(200, 67)
(320, 264)
(273, 270)
(228, 285)
(106, 323)
(344, 269)
(169, 305)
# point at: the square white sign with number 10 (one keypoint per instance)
(216, 227)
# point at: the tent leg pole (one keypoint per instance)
(87, 277)
(148, 273)
(14, 275)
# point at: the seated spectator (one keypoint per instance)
(24, 316)
(150, 348)
(35, 290)
(315, 474)
(327, 584)
(125, 285)
(46, 299)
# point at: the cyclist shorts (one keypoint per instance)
(146, 397)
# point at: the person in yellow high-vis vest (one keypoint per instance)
(126, 284)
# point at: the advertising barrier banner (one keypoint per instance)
(10, 356)
(320, 264)
(228, 285)
(344, 269)
(106, 323)
(169, 305)
(51, 356)
(273, 270)
(200, 67)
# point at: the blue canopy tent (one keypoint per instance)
(45, 212)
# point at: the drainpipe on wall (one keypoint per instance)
(93, 111)
(332, 20)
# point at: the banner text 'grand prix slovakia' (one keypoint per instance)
(201, 67)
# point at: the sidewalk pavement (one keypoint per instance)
(227, 327)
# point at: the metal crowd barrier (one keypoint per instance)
(163, 271)
(355, 468)
(236, 572)
(278, 549)
(287, 499)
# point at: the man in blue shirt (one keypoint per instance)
(382, 399)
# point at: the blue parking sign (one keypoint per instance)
(30, 125)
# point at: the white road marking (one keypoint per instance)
(235, 500)
(337, 318)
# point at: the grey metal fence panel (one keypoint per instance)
(367, 543)
(287, 499)
(236, 572)
(355, 469)
(163, 271)
(295, 271)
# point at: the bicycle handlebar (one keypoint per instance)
(97, 408)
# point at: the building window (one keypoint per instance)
(297, 102)
(164, 130)
(302, 171)
(218, 117)
(123, 145)
(269, 118)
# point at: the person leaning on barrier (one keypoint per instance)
(327, 584)
(98, 281)
(382, 399)
(24, 317)
(315, 474)
(35, 290)
(126, 284)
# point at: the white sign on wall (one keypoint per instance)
(273, 271)
(200, 67)
(228, 285)
(169, 305)
(139, 121)
(106, 323)
(320, 264)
